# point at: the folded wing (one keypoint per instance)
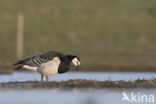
(36, 61)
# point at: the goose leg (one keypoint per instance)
(46, 78)
(41, 77)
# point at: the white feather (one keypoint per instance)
(30, 68)
(50, 67)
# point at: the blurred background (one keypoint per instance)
(109, 36)
(100, 32)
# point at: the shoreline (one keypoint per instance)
(80, 83)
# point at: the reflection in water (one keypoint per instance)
(100, 76)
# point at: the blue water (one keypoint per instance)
(73, 96)
(100, 76)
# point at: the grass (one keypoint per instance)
(101, 32)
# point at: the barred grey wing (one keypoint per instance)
(44, 57)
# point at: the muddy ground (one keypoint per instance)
(79, 83)
(106, 68)
(5, 69)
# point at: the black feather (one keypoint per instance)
(19, 62)
(19, 67)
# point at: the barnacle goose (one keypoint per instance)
(49, 63)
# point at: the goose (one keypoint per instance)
(49, 63)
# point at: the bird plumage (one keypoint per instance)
(37, 60)
(48, 63)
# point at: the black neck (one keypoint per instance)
(65, 64)
(70, 57)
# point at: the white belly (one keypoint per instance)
(50, 67)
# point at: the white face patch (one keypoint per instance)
(76, 62)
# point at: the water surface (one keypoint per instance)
(99, 76)
(74, 96)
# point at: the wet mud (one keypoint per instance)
(79, 83)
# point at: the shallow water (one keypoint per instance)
(99, 76)
(75, 96)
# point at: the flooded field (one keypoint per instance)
(99, 76)
(77, 88)
(74, 96)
